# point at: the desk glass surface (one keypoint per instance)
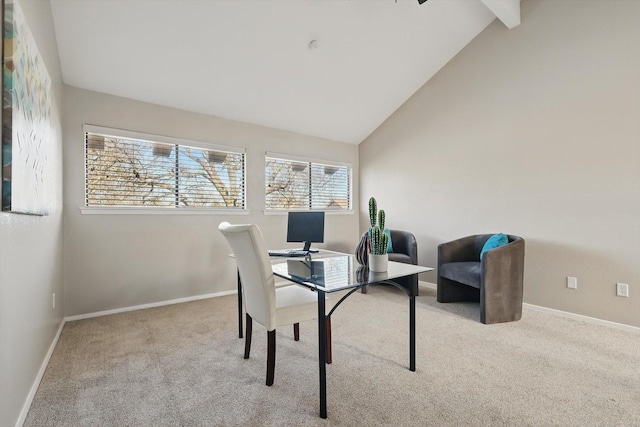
(331, 271)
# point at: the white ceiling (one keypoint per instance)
(251, 61)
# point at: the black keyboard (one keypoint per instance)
(287, 253)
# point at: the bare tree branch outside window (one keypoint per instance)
(129, 172)
(306, 185)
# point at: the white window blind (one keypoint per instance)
(301, 184)
(125, 171)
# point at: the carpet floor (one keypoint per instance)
(182, 365)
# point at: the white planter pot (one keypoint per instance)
(378, 263)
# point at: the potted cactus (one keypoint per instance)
(378, 258)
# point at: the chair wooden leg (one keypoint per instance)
(296, 331)
(247, 336)
(271, 356)
(329, 350)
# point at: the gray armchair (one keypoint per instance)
(405, 249)
(496, 281)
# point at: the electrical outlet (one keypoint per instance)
(622, 289)
(53, 301)
(572, 282)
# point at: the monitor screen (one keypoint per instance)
(307, 227)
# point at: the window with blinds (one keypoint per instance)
(125, 171)
(296, 184)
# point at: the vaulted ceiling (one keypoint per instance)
(334, 69)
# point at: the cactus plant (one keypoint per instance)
(378, 238)
(373, 211)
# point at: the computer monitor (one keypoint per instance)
(307, 227)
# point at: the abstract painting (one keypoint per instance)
(26, 117)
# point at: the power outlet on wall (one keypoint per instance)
(572, 282)
(622, 289)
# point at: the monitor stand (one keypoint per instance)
(307, 248)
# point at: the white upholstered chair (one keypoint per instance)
(269, 306)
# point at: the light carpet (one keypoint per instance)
(182, 365)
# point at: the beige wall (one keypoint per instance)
(533, 131)
(115, 261)
(31, 255)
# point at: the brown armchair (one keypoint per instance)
(496, 280)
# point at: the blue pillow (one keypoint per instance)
(493, 242)
(389, 245)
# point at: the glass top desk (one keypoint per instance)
(327, 272)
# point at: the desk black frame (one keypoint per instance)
(322, 316)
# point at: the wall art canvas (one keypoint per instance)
(26, 117)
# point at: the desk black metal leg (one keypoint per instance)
(412, 333)
(239, 306)
(322, 353)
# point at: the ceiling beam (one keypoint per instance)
(508, 11)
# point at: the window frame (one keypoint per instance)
(160, 210)
(311, 161)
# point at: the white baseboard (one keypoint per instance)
(150, 305)
(428, 284)
(584, 318)
(36, 383)
(567, 314)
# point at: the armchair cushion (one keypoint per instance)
(469, 273)
(493, 242)
(390, 244)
